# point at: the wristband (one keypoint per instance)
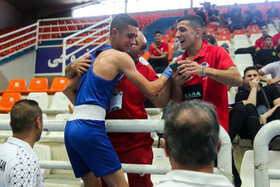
(203, 70)
(167, 73)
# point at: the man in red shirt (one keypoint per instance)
(205, 70)
(259, 42)
(158, 53)
(210, 67)
(133, 148)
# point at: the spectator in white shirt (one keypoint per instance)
(19, 165)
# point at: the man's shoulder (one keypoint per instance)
(113, 55)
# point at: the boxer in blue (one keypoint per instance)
(89, 149)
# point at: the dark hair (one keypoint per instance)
(157, 32)
(24, 114)
(195, 20)
(267, 36)
(191, 133)
(263, 24)
(121, 22)
(250, 68)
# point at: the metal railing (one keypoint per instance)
(262, 174)
(224, 156)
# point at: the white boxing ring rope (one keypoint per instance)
(223, 159)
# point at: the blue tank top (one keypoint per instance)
(93, 89)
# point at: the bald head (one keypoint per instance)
(138, 50)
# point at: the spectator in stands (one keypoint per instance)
(213, 16)
(267, 54)
(201, 13)
(259, 42)
(133, 148)
(19, 164)
(256, 13)
(158, 53)
(191, 141)
(273, 69)
(235, 17)
(249, 19)
(205, 70)
(272, 12)
(94, 156)
(255, 106)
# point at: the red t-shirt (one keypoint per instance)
(132, 108)
(207, 89)
(276, 39)
(162, 47)
(259, 43)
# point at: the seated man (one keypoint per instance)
(259, 42)
(267, 54)
(19, 165)
(255, 106)
(191, 141)
(158, 53)
(273, 69)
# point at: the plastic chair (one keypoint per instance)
(8, 100)
(60, 102)
(243, 59)
(40, 97)
(58, 84)
(16, 85)
(237, 32)
(38, 85)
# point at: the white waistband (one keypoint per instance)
(92, 112)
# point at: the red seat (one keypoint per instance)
(15, 85)
(236, 32)
(38, 85)
(8, 100)
(58, 84)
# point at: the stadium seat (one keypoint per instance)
(57, 85)
(38, 85)
(8, 100)
(243, 59)
(15, 85)
(41, 98)
(254, 37)
(241, 44)
(59, 104)
(240, 37)
(247, 168)
(220, 43)
(238, 32)
(224, 37)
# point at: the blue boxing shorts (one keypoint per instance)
(89, 148)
